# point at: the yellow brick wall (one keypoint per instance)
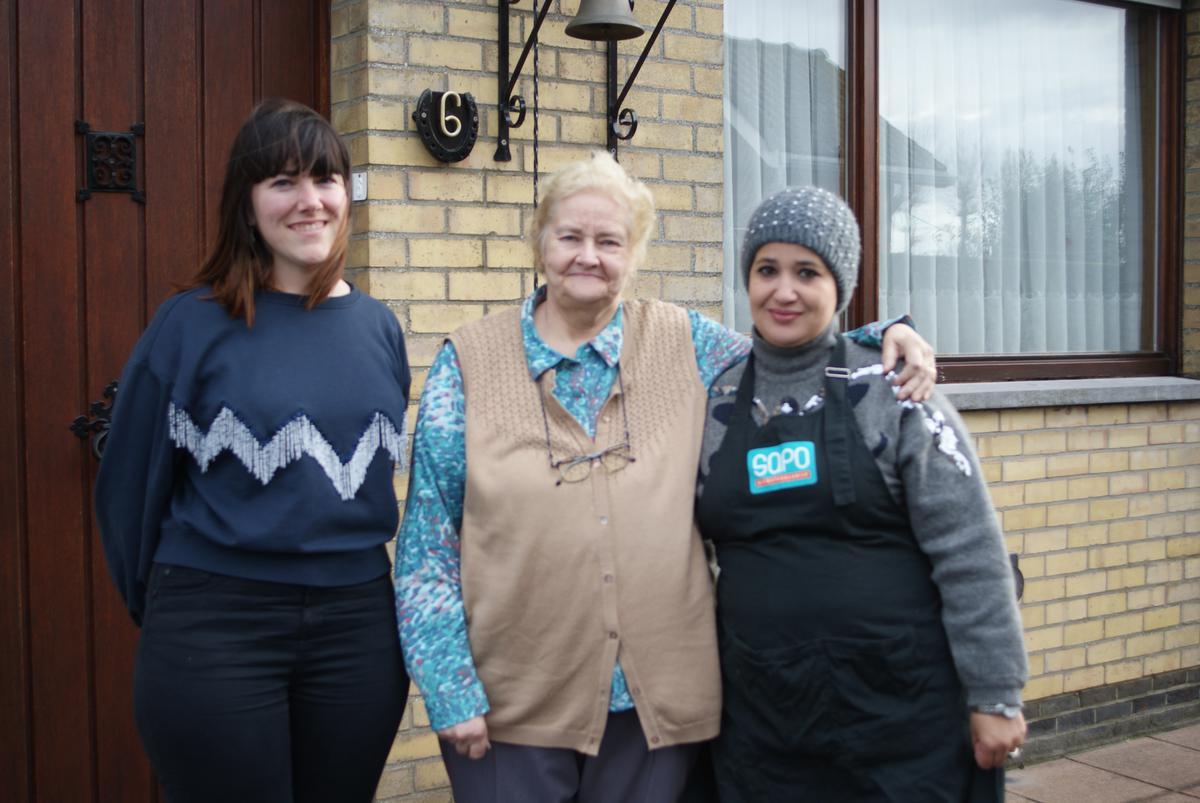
(442, 244)
(1103, 505)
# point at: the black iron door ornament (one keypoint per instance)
(110, 160)
(98, 420)
(509, 103)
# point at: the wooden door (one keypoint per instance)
(78, 280)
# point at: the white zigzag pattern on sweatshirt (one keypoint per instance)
(295, 439)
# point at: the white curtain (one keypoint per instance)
(785, 64)
(1011, 174)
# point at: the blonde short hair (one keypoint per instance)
(599, 172)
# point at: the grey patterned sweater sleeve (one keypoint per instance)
(925, 456)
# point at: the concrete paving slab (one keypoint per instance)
(1067, 781)
(1187, 737)
(1161, 763)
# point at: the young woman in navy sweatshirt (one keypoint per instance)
(246, 494)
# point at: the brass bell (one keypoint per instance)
(604, 20)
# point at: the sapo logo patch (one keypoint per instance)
(787, 465)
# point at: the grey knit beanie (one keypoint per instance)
(816, 219)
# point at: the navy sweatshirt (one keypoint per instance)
(265, 453)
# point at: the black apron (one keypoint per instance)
(838, 683)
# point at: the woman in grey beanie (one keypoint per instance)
(870, 643)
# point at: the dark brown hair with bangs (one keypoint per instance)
(280, 136)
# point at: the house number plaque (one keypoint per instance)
(448, 123)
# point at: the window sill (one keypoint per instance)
(1070, 392)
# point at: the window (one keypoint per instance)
(1010, 163)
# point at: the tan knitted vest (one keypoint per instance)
(560, 580)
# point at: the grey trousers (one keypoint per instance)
(624, 771)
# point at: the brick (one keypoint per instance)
(1043, 686)
(1105, 509)
(1183, 410)
(434, 253)
(1079, 440)
(1083, 632)
(1147, 504)
(1128, 577)
(509, 189)
(1045, 442)
(1106, 604)
(576, 128)
(1018, 469)
(395, 782)
(1025, 518)
(430, 775)
(675, 197)
(1087, 678)
(1084, 487)
(692, 108)
(710, 140)
(1083, 584)
(1043, 590)
(1067, 464)
(1045, 638)
(509, 254)
(668, 257)
(1019, 419)
(1004, 496)
(407, 218)
(443, 52)
(710, 169)
(466, 23)
(1087, 535)
(692, 49)
(1169, 479)
(1134, 483)
(1070, 513)
(999, 446)
(1107, 414)
(1166, 433)
(1139, 598)
(1145, 413)
(484, 286)
(1066, 659)
(1045, 541)
(1108, 556)
(693, 229)
(708, 80)
(1067, 563)
(1147, 551)
(1183, 500)
(445, 186)
(1183, 456)
(485, 221)
(1122, 625)
(411, 746)
(1130, 530)
(1182, 637)
(1106, 651)
(1108, 462)
(348, 52)
(711, 199)
(1066, 417)
(407, 285)
(1165, 662)
(1143, 645)
(978, 421)
(386, 253)
(692, 289)
(1162, 617)
(443, 317)
(1127, 437)
(1033, 616)
(1122, 670)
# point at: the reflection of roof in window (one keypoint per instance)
(812, 88)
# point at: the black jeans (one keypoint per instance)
(265, 692)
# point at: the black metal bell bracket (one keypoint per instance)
(622, 123)
(509, 103)
(98, 421)
(110, 161)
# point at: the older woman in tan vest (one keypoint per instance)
(554, 599)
